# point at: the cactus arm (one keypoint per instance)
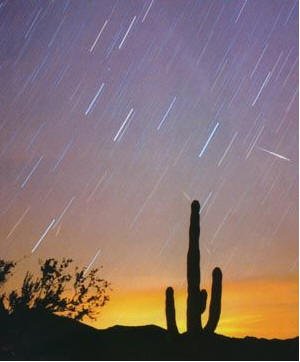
(215, 302)
(170, 312)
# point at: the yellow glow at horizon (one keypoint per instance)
(259, 308)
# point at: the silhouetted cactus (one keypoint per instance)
(196, 299)
(170, 312)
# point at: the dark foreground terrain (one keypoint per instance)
(49, 337)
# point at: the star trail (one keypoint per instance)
(116, 114)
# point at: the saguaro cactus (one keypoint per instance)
(170, 312)
(196, 300)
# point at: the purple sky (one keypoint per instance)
(116, 114)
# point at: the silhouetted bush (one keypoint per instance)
(5, 270)
(56, 290)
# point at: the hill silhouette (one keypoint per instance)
(44, 336)
(37, 334)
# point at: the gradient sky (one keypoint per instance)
(116, 114)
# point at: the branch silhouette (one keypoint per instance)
(57, 290)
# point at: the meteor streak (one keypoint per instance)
(274, 154)
(98, 36)
(94, 99)
(92, 261)
(128, 30)
(44, 234)
(209, 138)
(123, 125)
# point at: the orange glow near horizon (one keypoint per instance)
(259, 308)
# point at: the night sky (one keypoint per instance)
(115, 115)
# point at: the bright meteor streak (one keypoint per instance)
(94, 99)
(42, 237)
(123, 125)
(98, 36)
(128, 30)
(209, 138)
(92, 261)
(274, 154)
